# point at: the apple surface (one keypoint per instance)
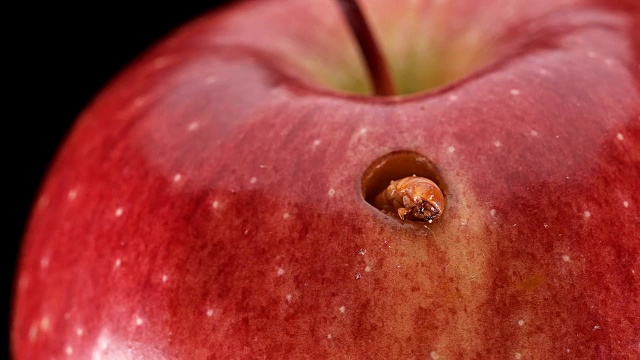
(213, 201)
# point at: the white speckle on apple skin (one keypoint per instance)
(33, 332)
(68, 350)
(177, 177)
(520, 322)
(492, 212)
(587, 214)
(342, 309)
(45, 323)
(43, 202)
(514, 92)
(625, 204)
(160, 62)
(533, 133)
(209, 80)
(139, 321)
(103, 342)
(139, 101)
(566, 258)
(44, 262)
(289, 297)
(79, 332)
(497, 143)
(367, 268)
(117, 263)
(165, 278)
(451, 149)
(543, 71)
(286, 216)
(453, 98)
(209, 312)
(329, 336)
(331, 192)
(23, 282)
(72, 194)
(620, 136)
(193, 126)
(253, 180)
(280, 271)
(517, 355)
(434, 355)
(215, 204)
(591, 54)
(315, 144)
(119, 211)
(362, 131)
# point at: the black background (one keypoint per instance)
(59, 57)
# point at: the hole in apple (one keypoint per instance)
(413, 173)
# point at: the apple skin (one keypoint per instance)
(208, 205)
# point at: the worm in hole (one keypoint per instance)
(413, 198)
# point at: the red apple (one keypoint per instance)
(209, 203)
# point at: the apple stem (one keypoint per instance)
(378, 70)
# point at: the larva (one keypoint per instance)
(412, 198)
